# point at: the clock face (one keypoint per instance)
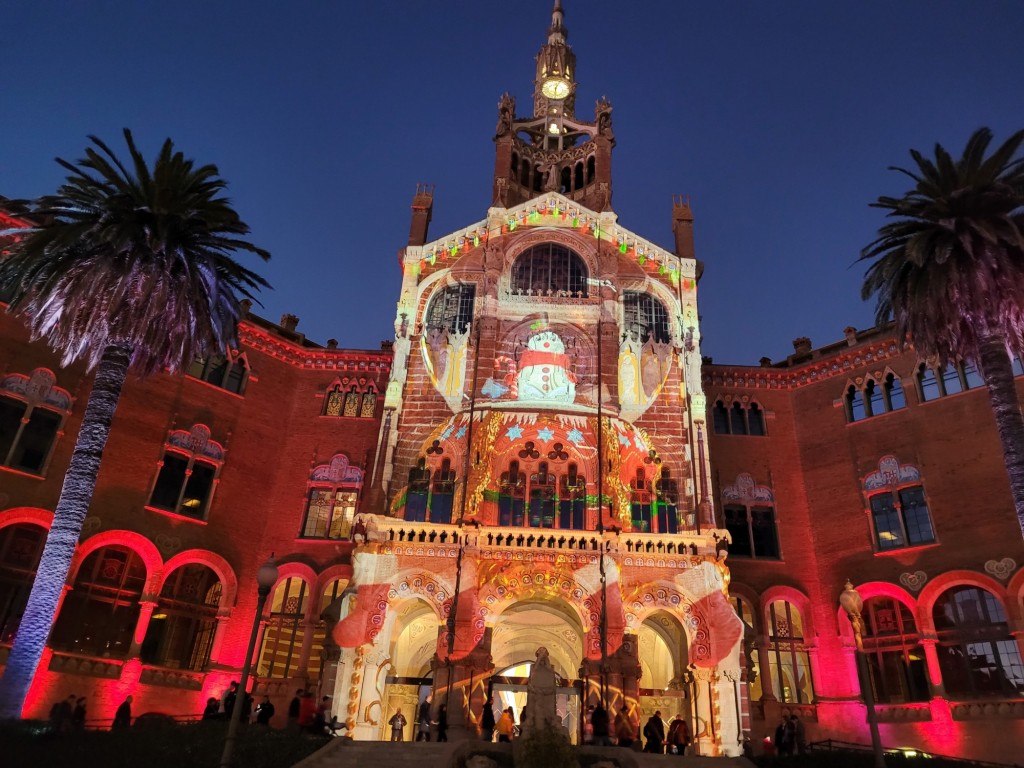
(555, 89)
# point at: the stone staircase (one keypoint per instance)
(342, 753)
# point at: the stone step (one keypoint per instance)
(341, 753)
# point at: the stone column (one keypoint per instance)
(764, 669)
(931, 656)
(704, 700)
(146, 606)
(223, 617)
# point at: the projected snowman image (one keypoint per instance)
(544, 370)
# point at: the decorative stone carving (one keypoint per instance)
(913, 581)
(1001, 569)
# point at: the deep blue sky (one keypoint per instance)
(779, 119)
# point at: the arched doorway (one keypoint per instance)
(518, 632)
(410, 679)
(664, 659)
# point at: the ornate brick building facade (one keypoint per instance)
(538, 459)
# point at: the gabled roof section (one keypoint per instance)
(555, 211)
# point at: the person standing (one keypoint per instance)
(307, 710)
(487, 720)
(264, 711)
(397, 723)
(783, 746)
(505, 725)
(654, 732)
(423, 728)
(601, 726)
(798, 736)
(123, 716)
(442, 723)
(294, 709)
(212, 710)
(78, 715)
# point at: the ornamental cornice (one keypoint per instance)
(303, 358)
(813, 371)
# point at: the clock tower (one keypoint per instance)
(552, 150)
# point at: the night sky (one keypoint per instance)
(778, 119)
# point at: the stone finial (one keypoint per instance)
(289, 322)
(332, 343)
(802, 345)
(851, 335)
(766, 362)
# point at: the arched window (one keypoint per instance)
(640, 502)
(951, 383)
(572, 500)
(334, 401)
(977, 654)
(286, 630)
(737, 419)
(788, 663)
(755, 420)
(591, 168)
(927, 384)
(895, 656)
(418, 492)
(333, 495)
(972, 376)
(230, 373)
(750, 653)
(188, 473)
(21, 546)
(319, 654)
(894, 397)
(369, 405)
(855, 410)
(451, 309)
(579, 183)
(721, 418)
(32, 411)
(442, 493)
(666, 498)
(101, 610)
(542, 498)
(351, 402)
(181, 630)
(515, 166)
(512, 496)
(645, 317)
(875, 398)
(549, 269)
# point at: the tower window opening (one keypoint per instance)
(538, 178)
(591, 168)
(549, 270)
(566, 185)
(578, 176)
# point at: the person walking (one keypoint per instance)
(679, 735)
(624, 730)
(423, 727)
(397, 723)
(123, 716)
(487, 720)
(654, 733)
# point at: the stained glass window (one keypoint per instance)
(549, 270)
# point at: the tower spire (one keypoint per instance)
(557, 33)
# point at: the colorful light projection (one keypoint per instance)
(557, 211)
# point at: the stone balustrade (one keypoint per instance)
(86, 665)
(610, 541)
(984, 710)
(903, 713)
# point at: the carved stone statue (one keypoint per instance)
(540, 710)
(506, 114)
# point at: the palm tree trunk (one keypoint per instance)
(1002, 393)
(61, 541)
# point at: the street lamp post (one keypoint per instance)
(853, 603)
(266, 578)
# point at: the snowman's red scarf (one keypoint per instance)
(532, 357)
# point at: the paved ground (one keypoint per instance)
(340, 753)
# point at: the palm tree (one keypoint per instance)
(949, 271)
(129, 268)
